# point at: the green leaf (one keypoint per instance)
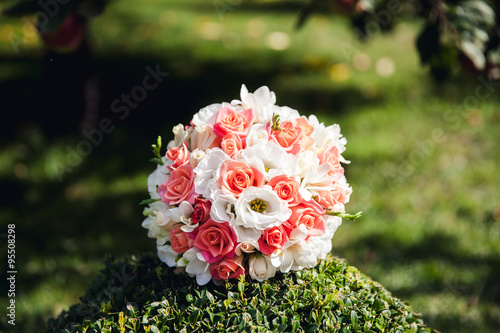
(350, 217)
(311, 328)
(148, 201)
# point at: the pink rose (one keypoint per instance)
(287, 137)
(329, 199)
(235, 176)
(228, 268)
(331, 155)
(180, 241)
(201, 211)
(215, 240)
(287, 189)
(272, 239)
(229, 120)
(306, 142)
(310, 214)
(179, 156)
(231, 144)
(179, 187)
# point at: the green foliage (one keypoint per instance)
(456, 34)
(143, 295)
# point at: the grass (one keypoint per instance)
(424, 173)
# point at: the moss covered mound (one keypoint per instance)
(144, 295)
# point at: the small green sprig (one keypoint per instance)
(276, 122)
(350, 217)
(156, 152)
(148, 201)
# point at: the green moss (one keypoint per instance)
(143, 295)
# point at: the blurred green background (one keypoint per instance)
(425, 156)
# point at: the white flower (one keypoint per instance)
(249, 236)
(306, 160)
(182, 214)
(207, 115)
(260, 267)
(196, 156)
(196, 265)
(156, 178)
(286, 113)
(322, 245)
(257, 134)
(205, 171)
(270, 159)
(317, 179)
(156, 223)
(180, 135)
(260, 102)
(296, 253)
(167, 255)
(260, 208)
(329, 136)
(222, 209)
(247, 246)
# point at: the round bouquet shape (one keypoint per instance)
(248, 188)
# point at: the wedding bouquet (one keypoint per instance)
(248, 188)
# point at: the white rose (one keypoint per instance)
(260, 208)
(247, 246)
(260, 267)
(180, 135)
(196, 156)
(257, 134)
(203, 138)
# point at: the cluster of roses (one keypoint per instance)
(248, 188)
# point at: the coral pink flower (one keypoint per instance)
(215, 240)
(228, 268)
(306, 142)
(235, 176)
(231, 144)
(287, 189)
(179, 187)
(329, 199)
(309, 213)
(272, 239)
(180, 241)
(179, 156)
(287, 137)
(229, 120)
(331, 155)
